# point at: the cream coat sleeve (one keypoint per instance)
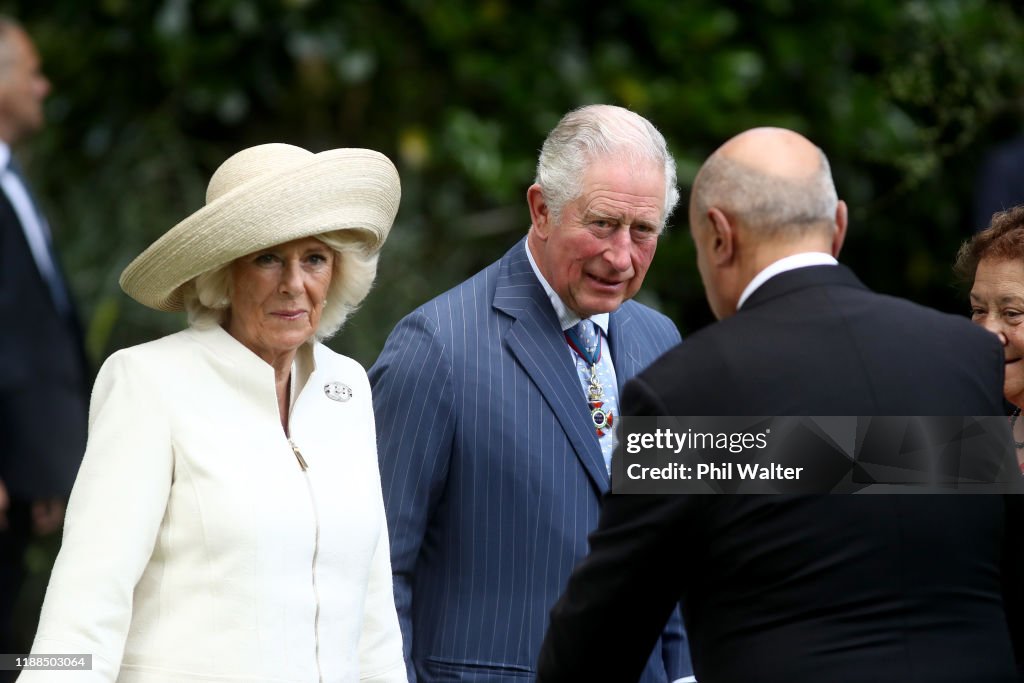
(380, 642)
(113, 518)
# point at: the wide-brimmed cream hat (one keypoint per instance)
(263, 196)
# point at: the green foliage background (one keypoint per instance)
(149, 97)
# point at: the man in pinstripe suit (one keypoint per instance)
(493, 453)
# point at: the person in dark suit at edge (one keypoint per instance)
(43, 373)
(1000, 182)
(495, 404)
(813, 588)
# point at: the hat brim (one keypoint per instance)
(341, 189)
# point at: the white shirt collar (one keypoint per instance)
(792, 262)
(566, 317)
(5, 154)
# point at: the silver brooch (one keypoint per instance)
(336, 391)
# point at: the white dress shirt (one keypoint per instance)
(792, 262)
(37, 232)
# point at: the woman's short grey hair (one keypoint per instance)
(770, 205)
(593, 132)
(208, 296)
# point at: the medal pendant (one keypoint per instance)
(601, 417)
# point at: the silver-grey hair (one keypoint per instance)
(596, 131)
(208, 296)
(771, 205)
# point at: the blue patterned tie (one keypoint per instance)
(593, 364)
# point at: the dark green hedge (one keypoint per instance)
(905, 98)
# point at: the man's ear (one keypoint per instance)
(842, 217)
(723, 238)
(540, 212)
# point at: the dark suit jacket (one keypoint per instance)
(829, 588)
(1000, 182)
(43, 376)
(492, 473)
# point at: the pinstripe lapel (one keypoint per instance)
(626, 351)
(535, 340)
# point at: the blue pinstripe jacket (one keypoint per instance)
(492, 474)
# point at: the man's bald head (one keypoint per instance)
(774, 151)
(772, 181)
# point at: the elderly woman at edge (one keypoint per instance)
(993, 263)
(227, 521)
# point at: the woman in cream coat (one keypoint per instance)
(227, 521)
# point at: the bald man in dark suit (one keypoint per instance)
(828, 588)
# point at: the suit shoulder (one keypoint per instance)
(644, 311)
(475, 291)
(697, 353)
(690, 370)
(944, 327)
(659, 324)
(441, 327)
